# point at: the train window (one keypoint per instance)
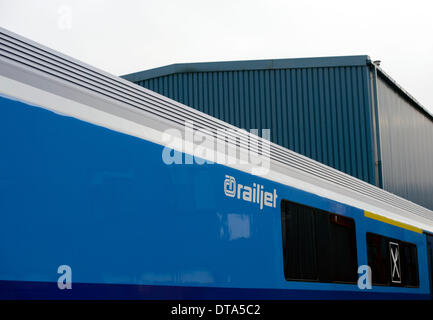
(378, 260)
(409, 260)
(392, 262)
(299, 242)
(317, 245)
(342, 248)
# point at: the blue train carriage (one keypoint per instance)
(89, 207)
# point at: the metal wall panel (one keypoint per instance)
(321, 112)
(406, 135)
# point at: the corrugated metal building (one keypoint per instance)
(345, 112)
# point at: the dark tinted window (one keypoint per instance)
(342, 248)
(409, 261)
(318, 245)
(299, 242)
(378, 259)
(397, 268)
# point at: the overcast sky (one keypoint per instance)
(128, 36)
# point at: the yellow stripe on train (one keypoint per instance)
(392, 222)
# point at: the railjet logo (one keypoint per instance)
(255, 193)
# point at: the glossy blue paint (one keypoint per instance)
(105, 204)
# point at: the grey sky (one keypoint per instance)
(127, 36)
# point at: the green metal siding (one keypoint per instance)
(321, 112)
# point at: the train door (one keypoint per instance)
(430, 261)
